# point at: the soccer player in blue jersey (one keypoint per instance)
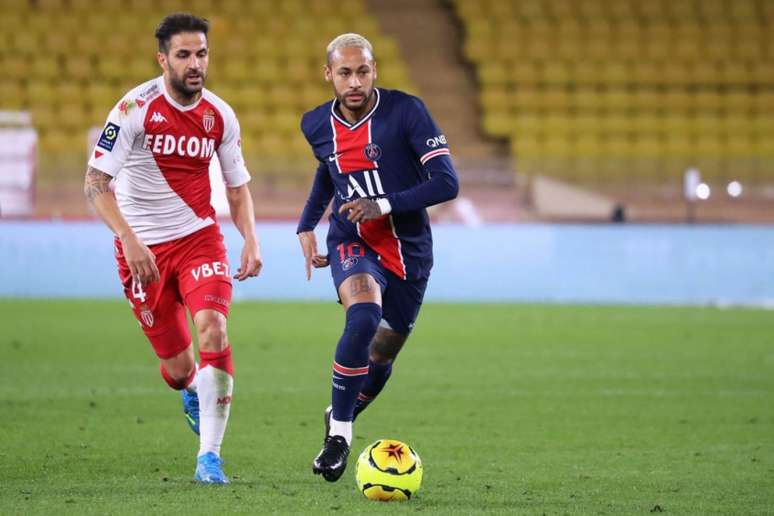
(382, 160)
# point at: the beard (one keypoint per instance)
(180, 85)
(356, 105)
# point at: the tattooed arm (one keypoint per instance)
(141, 261)
(97, 190)
(361, 210)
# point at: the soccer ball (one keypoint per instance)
(388, 470)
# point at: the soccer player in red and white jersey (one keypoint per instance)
(156, 148)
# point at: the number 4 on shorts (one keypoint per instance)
(137, 291)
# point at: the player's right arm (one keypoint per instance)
(319, 198)
(123, 124)
(140, 259)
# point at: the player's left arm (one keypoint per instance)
(441, 182)
(240, 202)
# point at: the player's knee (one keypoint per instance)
(386, 346)
(211, 330)
(363, 320)
(178, 374)
(213, 338)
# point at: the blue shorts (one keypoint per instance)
(401, 299)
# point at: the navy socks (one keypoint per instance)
(378, 374)
(351, 364)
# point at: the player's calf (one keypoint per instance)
(216, 387)
(350, 367)
(384, 348)
(180, 373)
(215, 381)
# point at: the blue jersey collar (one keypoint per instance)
(362, 120)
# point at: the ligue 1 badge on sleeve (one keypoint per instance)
(373, 152)
(108, 137)
(208, 120)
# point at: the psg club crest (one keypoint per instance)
(208, 120)
(349, 263)
(373, 152)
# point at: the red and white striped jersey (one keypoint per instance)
(159, 153)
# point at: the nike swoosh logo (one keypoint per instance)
(333, 157)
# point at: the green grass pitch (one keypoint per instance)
(514, 409)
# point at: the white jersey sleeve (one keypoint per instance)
(123, 126)
(232, 163)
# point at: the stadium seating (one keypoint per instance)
(638, 89)
(69, 61)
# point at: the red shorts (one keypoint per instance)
(194, 273)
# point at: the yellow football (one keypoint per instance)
(388, 470)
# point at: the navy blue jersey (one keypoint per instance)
(396, 152)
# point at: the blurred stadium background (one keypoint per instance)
(555, 109)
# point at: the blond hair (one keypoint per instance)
(349, 40)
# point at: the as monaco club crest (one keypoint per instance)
(147, 316)
(208, 120)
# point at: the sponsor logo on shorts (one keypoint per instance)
(108, 137)
(225, 400)
(348, 263)
(210, 298)
(207, 270)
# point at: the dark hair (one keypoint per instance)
(177, 23)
